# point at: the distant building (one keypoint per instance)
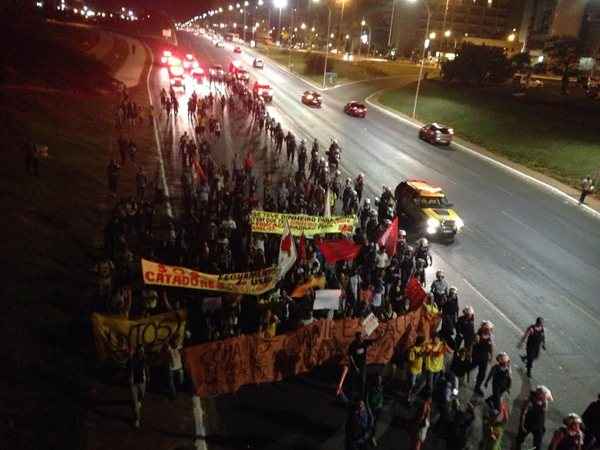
(453, 20)
(544, 19)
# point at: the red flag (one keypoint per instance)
(302, 248)
(249, 161)
(199, 172)
(415, 293)
(389, 238)
(339, 250)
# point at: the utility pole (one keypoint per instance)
(391, 23)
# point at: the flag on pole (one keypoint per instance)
(389, 238)
(199, 171)
(328, 203)
(287, 251)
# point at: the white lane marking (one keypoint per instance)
(199, 428)
(495, 308)
(520, 222)
(581, 310)
(505, 191)
(489, 159)
(161, 162)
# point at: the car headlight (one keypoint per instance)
(433, 223)
(459, 223)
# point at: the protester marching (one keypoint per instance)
(262, 251)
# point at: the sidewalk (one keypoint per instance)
(592, 204)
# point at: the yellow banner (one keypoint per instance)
(270, 222)
(115, 336)
(313, 283)
(250, 283)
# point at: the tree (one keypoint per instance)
(563, 55)
(315, 63)
(521, 62)
(478, 64)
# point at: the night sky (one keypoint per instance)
(177, 9)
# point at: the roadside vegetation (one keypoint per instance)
(543, 130)
(311, 64)
(54, 95)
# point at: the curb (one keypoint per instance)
(467, 147)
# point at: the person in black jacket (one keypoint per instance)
(533, 417)
(591, 420)
(535, 339)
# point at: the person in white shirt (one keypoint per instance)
(382, 260)
(175, 365)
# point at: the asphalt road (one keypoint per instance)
(524, 252)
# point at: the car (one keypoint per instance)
(426, 207)
(219, 43)
(312, 98)
(188, 61)
(237, 49)
(216, 72)
(434, 133)
(198, 73)
(264, 91)
(173, 61)
(355, 109)
(177, 77)
(258, 63)
(164, 59)
(242, 75)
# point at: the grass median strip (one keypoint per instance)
(345, 71)
(558, 137)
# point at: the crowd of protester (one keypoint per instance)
(211, 233)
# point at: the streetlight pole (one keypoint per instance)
(414, 114)
(391, 23)
(290, 38)
(327, 43)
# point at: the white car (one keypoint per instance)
(220, 44)
(258, 63)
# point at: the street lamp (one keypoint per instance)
(328, 37)
(364, 38)
(447, 34)
(279, 4)
(425, 46)
(512, 37)
(432, 35)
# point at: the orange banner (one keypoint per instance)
(222, 367)
(251, 283)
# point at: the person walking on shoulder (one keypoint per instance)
(587, 187)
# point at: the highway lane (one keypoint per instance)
(524, 251)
